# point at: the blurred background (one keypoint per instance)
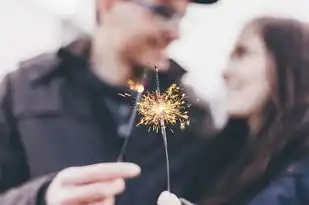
(30, 27)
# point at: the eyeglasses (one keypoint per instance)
(166, 14)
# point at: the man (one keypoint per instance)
(63, 123)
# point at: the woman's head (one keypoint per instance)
(269, 67)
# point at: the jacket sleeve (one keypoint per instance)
(287, 190)
(15, 187)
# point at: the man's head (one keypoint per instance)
(139, 31)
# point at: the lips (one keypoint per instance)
(234, 88)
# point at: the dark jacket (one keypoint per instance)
(291, 187)
(286, 181)
(49, 120)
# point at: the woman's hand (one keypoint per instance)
(167, 198)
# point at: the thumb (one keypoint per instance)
(167, 198)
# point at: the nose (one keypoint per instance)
(226, 74)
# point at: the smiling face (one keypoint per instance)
(248, 75)
(141, 30)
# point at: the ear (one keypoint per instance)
(103, 6)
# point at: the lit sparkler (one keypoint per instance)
(160, 109)
(139, 88)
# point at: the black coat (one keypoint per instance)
(47, 123)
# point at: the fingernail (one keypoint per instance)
(134, 168)
(166, 193)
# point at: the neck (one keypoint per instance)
(255, 123)
(107, 65)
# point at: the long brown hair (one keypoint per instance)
(285, 131)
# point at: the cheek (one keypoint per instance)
(141, 39)
(143, 43)
(135, 33)
(139, 46)
(252, 94)
(248, 100)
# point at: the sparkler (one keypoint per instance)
(160, 109)
(139, 88)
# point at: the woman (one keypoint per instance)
(267, 83)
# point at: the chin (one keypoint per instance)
(161, 61)
(163, 65)
(237, 112)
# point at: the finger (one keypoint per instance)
(167, 198)
(108, 201)
(99, 172)
(185, 202)
(91, 193)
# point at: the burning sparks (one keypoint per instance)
(158, 110)
(138, 87)
(124, 95)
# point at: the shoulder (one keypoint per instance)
(290, 187)
(32, 88)
(29, 70)
(36, 68)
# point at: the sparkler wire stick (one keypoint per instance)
(129, 128)
(164, 135)
(163, 131)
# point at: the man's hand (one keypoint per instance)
(93, 184)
